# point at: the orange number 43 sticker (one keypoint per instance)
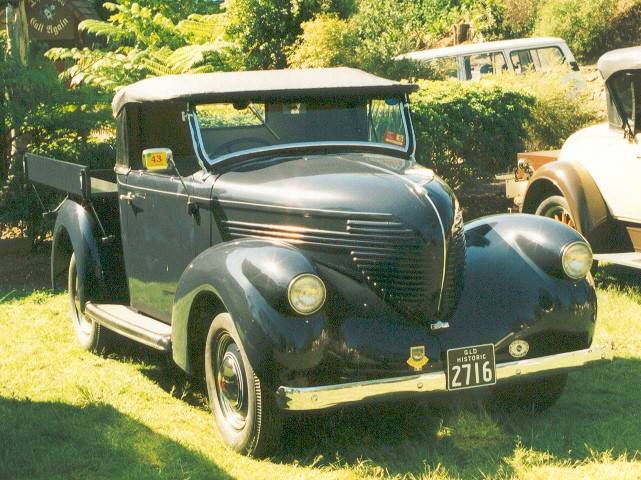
(394, 138)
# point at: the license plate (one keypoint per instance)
(471, 367)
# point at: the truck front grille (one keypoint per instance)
(391, 257)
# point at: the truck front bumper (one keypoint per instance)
(318, 398)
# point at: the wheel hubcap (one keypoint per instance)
(231, 385)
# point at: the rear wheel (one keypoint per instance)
(532, 396)
(246, 413)
(90, 335)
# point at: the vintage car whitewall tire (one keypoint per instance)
(91, 335)
(246, 414)
(530, 396)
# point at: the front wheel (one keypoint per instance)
(557, 208)
(246, 413)
(531, 396)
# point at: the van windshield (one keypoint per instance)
(228, 128)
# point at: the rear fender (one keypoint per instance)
(250, 278)
(76, 227)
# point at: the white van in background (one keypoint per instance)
(476, 60)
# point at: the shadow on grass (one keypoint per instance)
(57, 440)
(597, 413)
(160, 368)
(624, 278)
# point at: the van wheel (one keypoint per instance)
(557, 208)
(90, 335)
(531, 396)
(246, 414)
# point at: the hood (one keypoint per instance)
(374, 217)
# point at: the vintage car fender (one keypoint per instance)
(250, 277)
(577, 186)
(514, 289)
(75, 231)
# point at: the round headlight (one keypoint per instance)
(577, 260)
(306, 294)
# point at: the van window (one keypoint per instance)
(543, 59)
(550, 58)
(444, 68)
(482, 64)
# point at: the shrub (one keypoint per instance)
(591, 28)
(559, 111)
(470, 131)
(326, 41)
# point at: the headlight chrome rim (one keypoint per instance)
(292, 284)
(567, 248)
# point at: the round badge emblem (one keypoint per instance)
(519, 348)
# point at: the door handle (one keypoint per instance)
(131, 196)
(128, 197)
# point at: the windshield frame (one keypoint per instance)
(406, 152)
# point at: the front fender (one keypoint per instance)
(75, 225)
(251, 278)
(510, 290)
(584, 198)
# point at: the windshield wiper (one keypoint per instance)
(262, 120)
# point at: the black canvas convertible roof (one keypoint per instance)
(621, 59)
(265, 84)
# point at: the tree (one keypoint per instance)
(137, 42)
(265, 29)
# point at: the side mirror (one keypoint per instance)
(157, 159)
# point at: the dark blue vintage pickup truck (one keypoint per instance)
(273, 232)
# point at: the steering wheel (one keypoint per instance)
(231, 146)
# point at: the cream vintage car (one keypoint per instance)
(592, 183)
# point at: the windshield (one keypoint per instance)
(226, 128)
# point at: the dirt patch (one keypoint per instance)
(25, 271)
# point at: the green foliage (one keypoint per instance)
(520, 16)
(42, 115)
(139, 42)
(382, 29)
(469, 131)
(590, 28)
(265, 29)
(177, 10)
(559, 111)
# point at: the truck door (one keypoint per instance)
(162, 238)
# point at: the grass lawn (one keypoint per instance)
(65, 413)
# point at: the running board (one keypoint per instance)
(128, 323)
(630, 259)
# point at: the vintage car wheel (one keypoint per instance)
(532, 396)
(557, 208)
(247, 416)
(90, 335)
